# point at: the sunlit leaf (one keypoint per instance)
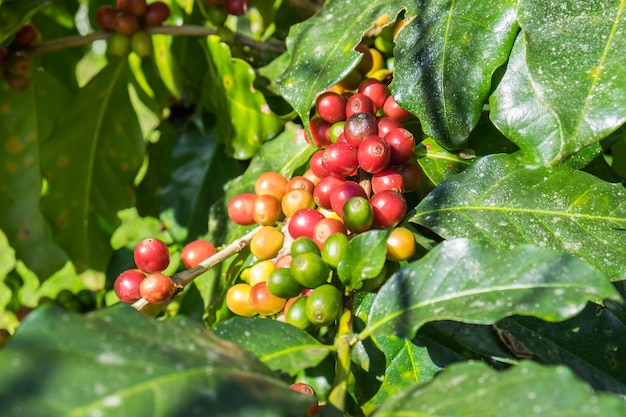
(127, 364)
(364, 258)
(474, 390)
(473, 282)
(438, 163)
(500, 200)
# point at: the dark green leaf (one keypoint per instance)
(590, 344)
(281, 346)
(474, 390)
(500, 200)
(14, 13)
(471, 281)
(322, 48)
(125, 364)
(445, 58)
(26, 120)
(244, 119)
(90, 162)
(438, 163)
(364, 258)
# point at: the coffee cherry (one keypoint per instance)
(260, 271)
(236, 7)
(402, 143)
(271, 183)
(340, 159)
(26, 35)
(324, 305)
(283, 261)
(316, 165)
(336, 132)
(126, 285)
(18, 64)
(374, 154)
(295, 200)
(105, 16)
(151, 255)
(360, 103)
(266, 242)
(238, 300)
(411, 175)
(331, 107)
(195, 252)
(136, 7)
(304, 244)
(241, 209)
(309, 391)
(156, 13)
(320, 132)
(299, 182)
(323, 191)
(302, 223)
(267, 210)
(325, 228)
(118, 45)
(309, 175)
(388, 179)
(281, 284)
(400, 244)
(295, 313)
(309, 269)
(393, 110)
(334, 249)
(157, 288)
(264, 302)
(389, 209)
(386, 124)
(376, 90)
(344, 192)
(141, 44)
(357, 214)
(216, 14)
(125, 23)
(360, 126)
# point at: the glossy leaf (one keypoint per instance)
(518, 111)
(280, 346)
(7, 263)
(575, 62)
(127, 364)
(90, 162)
(590, 344)
(364, 258)
(244, 119)
(470, 281)
(500, 200)
(445, 58)
(22, 130)
(438, 163)
(322, 48)
(474, 390)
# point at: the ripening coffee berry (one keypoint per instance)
(325, 228)
(411, 175)
(324, 304)
(125, 23)
(309, 269)
(316, 165)
(126, 285)
(105, 15)
(260, 271)
(264, 302)
(157, 288)
(136, 7)
(319, 132)
(334, 249)
(386, 124)
(300, 182)
(303, 244)
(156, 13)
(309, 391)
(267, 210)
(281, 284)
(376, 90)
(295, 313)
(266, 243)
(195, 252)
(26, 35)
(241, 209)
(389, 209)
(151, 255)
(357, 214)
(295, 200)
(400, 244)
(271, 183)
(344, 192)
(118, 45)
(236, 7)
(323, 191)
(238, 300)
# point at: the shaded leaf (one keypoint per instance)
(364, 258)
(90, 162)
(500, 200)
(574, 54)
(438, 163)
(471, 281)
(26, 120)
(473, 389)
(14, 13)
(590, 344)
(244, 119)
(518, 111)
(322, 51)
(127, 364)
(445, 58)
(280, 346)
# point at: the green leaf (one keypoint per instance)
(322, 48)
(166, 64)
(445, 58)
(575, 63)
(500, 200)
(14, 13)
(244, 119)
(438, 163)
(473, 282)
(127, 364)
(7, 263)
(590, 344)
(473, 389)
(26, 120)
(518, 111)
(90, 162)
(364, 258)
(280, 346)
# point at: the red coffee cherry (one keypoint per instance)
(125, 23)
(307, 390)
(26, 35)
(151, 255)
(136, 7)
(195, 252)
(236, 7)
(389, 209)
(241, 209)
(340, 159)
(393, 110)
(376, 90)
(323, 191)
(105, 15)
(402, 144)
(302, 223)
(374, 154)
(331, 107)
(360, 126)
(325, 228)
(156, 13)
(126, 285)
(316, 165)
(157, 288)
(388, 179)
(360, 103)
(344, 192)
(320, 133)
(411, 175)
(386, 124)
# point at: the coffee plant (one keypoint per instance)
(312, 208)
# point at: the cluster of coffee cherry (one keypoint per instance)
(127, 21)
(15, 62)
(152, 257)
(232, 7)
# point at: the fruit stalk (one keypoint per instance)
(183, 278)
(344, 341)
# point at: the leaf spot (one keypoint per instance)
(11, 166)
(62, 161)
(14, 145)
